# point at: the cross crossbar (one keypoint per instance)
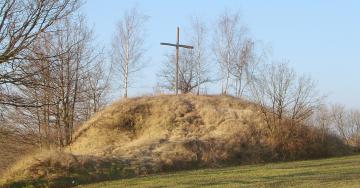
(177, 45)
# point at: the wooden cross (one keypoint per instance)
(177, 45)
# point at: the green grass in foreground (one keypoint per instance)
(333, 172)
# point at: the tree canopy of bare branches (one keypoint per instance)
(188, 80)
(346, 123)
(128, 46)
(201, 64)
(233, 50)
(22, 21)
(21, 24)
(282, 95)
(70, 85)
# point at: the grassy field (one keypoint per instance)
(333, 172)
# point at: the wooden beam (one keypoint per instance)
(175, 45)
(186, 46)
(168, 44)
(177, 60)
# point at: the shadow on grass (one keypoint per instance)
(111, 170)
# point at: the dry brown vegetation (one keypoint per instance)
(11, 149)
(160, 133)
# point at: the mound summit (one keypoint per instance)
(147, 135)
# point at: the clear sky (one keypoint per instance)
(318, 37)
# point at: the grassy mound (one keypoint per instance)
(153, 134)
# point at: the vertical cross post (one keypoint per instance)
(177, 45)
(177, 61)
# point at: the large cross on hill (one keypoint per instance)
(177, 45)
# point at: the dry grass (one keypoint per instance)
(10, 149)
(146, 135)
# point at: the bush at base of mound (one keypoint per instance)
(155, 134)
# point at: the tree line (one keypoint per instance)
(51, 75)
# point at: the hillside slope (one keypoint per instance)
(146, 135)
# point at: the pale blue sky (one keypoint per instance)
(319, 37)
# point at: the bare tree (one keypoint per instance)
(228, 46)
(340, 120)
(322, 120)
(97, 85)
(347, 124)
(240, 68)
(69, 86)
(355, 127)
(21, 23)
(284, 96)
(128, 46)
(198, 38)
(187, 74)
